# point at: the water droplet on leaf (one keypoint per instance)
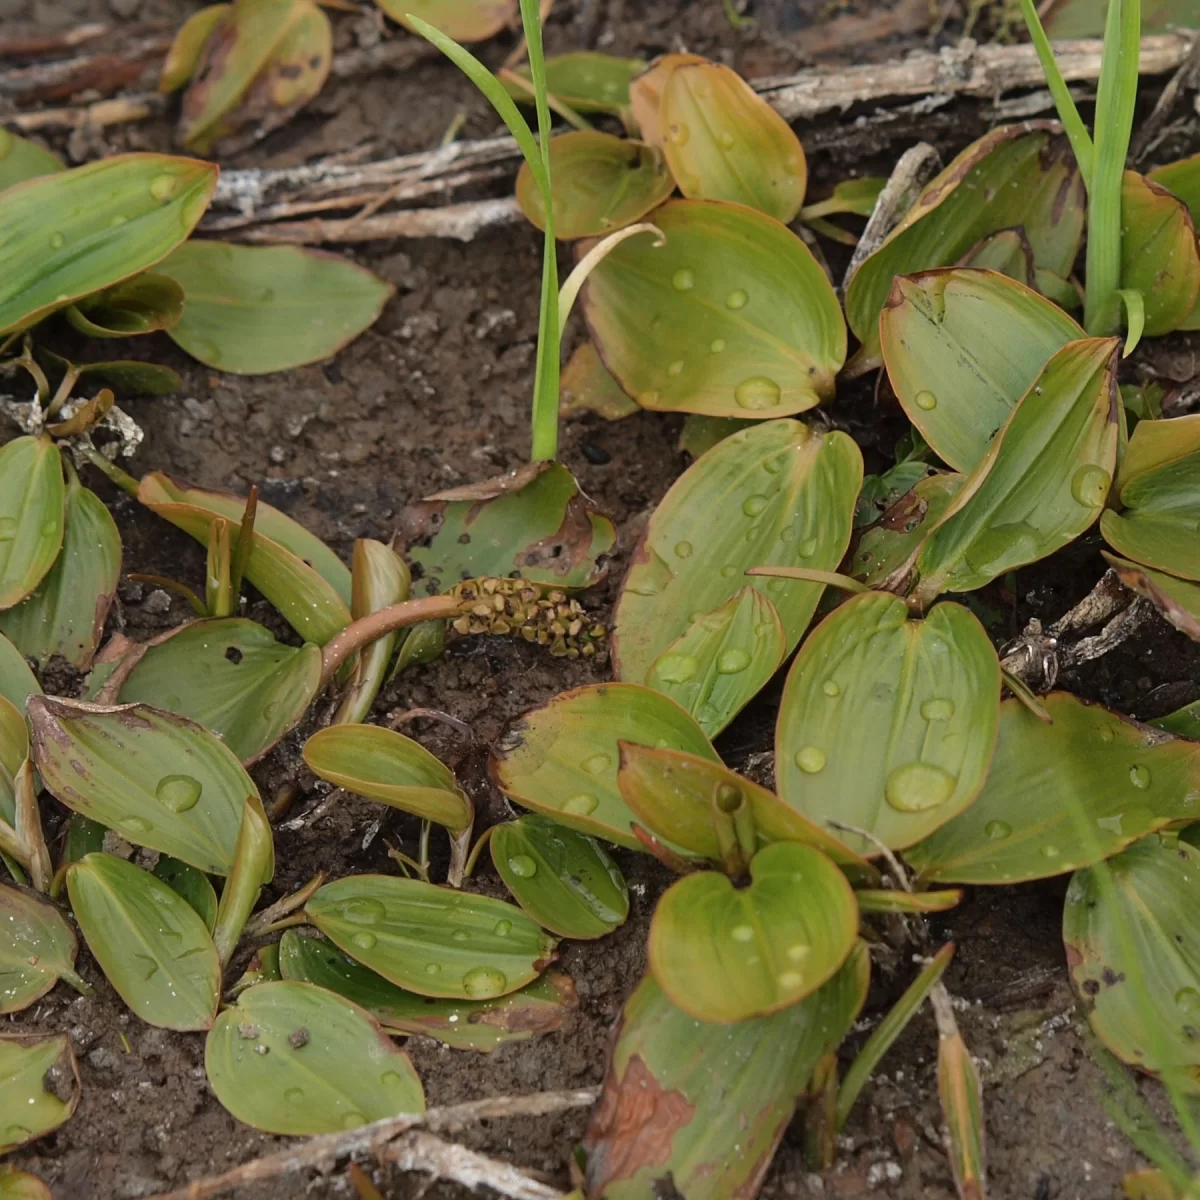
(753, 505)
(926, 401)
(757, 393)
(717, 345)
(363, 910)
(997, 830)
(178, 793)
(684, 279)
(57, 241)
(676, 668)
(914, 787)
(1090, 485)
(742, 933)
(582, 803)
(683, 549)
(676, 368)
(831, 688)
(483, 983)
(162, 187)
(135, 825)
(937, 710)
(736, 299)
(503, 928)
(732, 661)
(811, 759)
(1139, 776)
(364, 940)
(522, 866)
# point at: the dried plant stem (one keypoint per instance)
(370, 628)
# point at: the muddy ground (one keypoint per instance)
(436, 394)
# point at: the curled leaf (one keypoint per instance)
(143, 304)
(585, 80)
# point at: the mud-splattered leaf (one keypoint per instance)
(1126, 779)
(255, 309)
(601, 184)
(563, 879)
(961, 349)
(152, 944)
(731, 317)
(18, 1185)
(31, 515)
(194, 886)
(231, 676)
(297, 572)
(540, 1007)
(432, 940)
(660, 1115)
(39, 1087)
(296, 1059)
(888, 724)
(76, 232)
(585, 80)
(17, 681)
(886, 546)
(562, 759)
(534, 521)
(143, 304)
(37, 949)
(184, 55)
(587, 386)
(1043, 481)
(724, 142)
(1134, 955)
(777, 494)
(462, 20)
(725, 954)
(65, 615)
(160, 780)
(21, 159)
(386, 766)
(1177, 601)
(1015, 176)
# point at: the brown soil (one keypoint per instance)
(436, 394)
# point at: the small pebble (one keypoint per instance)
(596, 455)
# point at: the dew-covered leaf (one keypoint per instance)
(535, 522)
(65, 614)
(1177, 601)
(296, 1059)
(1134, 956)
(585, 80)
(255, 309)
(31, 515)
(76, 232)
(777, 494)
(886, 546)
(1044, 479)
(436, 941)
(194, 886)
(540, 1007)
(731, 316)
(21, 159)
(144, 304)
(587, 386)
(961, 348)
(725, 142)
(562, 759)
(1126, 779)
(462, 20)
(151, 943)
(601, 184)
(37, 949)
(39, 1087)
(563, 879)
(888, 724)
(231, 676)
(160, 780)
(660, 1115)
(386, 766)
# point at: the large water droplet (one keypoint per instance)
(597, 764)
(926, 401)
(811, 759)
(432, 969)
(937, 709)
(717, 346)
(1089, 486)
(757, 393)
(916, 786)
(683, 549)
(798, 953)
(1139, 776)
(679, 134)
(135, 825)
(742, 933)
(522, 866)
(178, 792)
(364, 940)
(997, 830)
(737, 299)
(790, 980)
(162, 187)
(353, 1119)
(57, 241)
(684, 279)
(753, 505)
(460, 935)
(483, 983)
(502, 928)
(732, 661)
(581, 804)
(1188, 1001)
(363, 910)
(676, 668)
(807, 548)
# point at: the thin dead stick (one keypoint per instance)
(421, 1151)
(373, 1140)
(105, 72)
(121, 110)
(386, 620)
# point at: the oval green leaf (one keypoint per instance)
(31, 515)
(585, 80)
(888, 724)
(1124, 779)
(33, 1076)
(194, 886)
(17, 1185)
(563, 879)
(562, 759)
(731, 317)
(1159, 255)
(296, 1059)
(184, 55)
(37, 949)
(254, 309)
(384, 765)
(432, 940)
(462, 20)
(160, 780)
(21, 159)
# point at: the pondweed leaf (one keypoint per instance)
(231, 676)
(152, 944)
(661, 1117)
(961, 348)
(386, 766)
(1008, 253)
(585, 80)
(1128, 779)
(601, 184)
(296, 571)
(535, 522)
(888, 724)
(39, 1087)
(1044, 479)
(731, 316)
(143, 304)
(540, 1007)
(296, 1059)
(1159, 255)
(1017, 176)
(184, 55)
(776, 494)
(563, 879)
(65, 614)
(17, 681)
(700, 434)
(77, 232)
(562, 759)
(21, 159)
(255, 309)
(587, 386)
(1177, 601)
(253, 866)
(158, 779)
(724, 954)
(37, 949)
(646, 93)
(31, 515)
(433, 940)
(192, 885)
(1156, 443)
(462, 20)
(724, 142)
